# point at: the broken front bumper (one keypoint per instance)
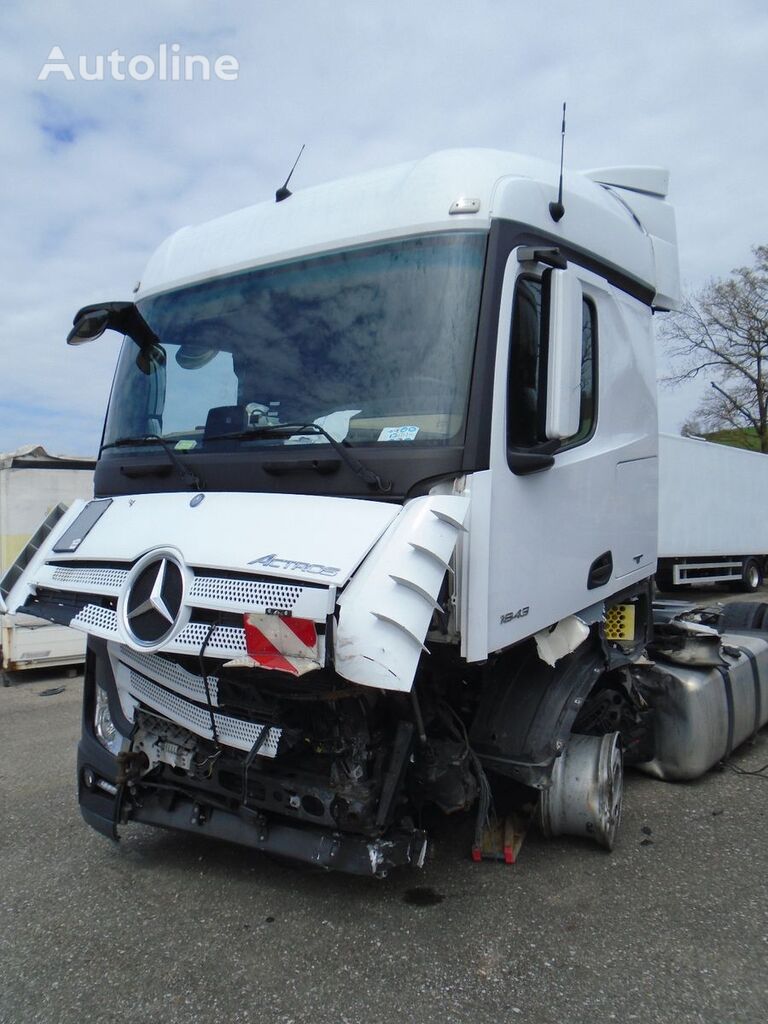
(336, 851)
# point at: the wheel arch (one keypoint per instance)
(528, 708)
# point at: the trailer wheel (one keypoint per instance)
(664, 582)
(751, 576)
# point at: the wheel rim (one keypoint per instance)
(587, 788)
(610, 799)
(753, 576)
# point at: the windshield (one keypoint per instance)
(373, 344)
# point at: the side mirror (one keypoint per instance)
(124, 317)
(89, 327)
(563, 354)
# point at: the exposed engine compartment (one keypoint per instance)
(348, 758)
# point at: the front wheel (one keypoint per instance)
(587, 790)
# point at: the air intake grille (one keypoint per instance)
(108, 580)
(223, 638)
(225, 641)
(234, 732)
(245, 593)
(171, 675)
(95, 619)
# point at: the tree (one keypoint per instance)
(722, 332)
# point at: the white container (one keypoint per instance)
(32, 482)
(713, 499)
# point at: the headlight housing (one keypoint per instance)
(103, 726)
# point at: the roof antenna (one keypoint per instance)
(556, 210)
(284, 192)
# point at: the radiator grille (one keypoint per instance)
(223, 639)
(171, 675)
(234, 732)
(95, 619)
(245, 593)
(231, 594)
(224, 642)
(79, 577)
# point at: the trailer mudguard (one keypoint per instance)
(528, 708)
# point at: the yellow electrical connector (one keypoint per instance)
(620, 622)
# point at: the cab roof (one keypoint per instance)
(618, 215)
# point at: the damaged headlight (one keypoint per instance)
(103, 726)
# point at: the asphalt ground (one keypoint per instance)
(670, 927)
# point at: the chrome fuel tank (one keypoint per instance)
(704, 712)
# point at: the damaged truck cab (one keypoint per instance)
(375, 517)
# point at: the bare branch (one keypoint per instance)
(723, 331)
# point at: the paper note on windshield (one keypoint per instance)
(336, 423)
(399, 433)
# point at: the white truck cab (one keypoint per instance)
(375, 516)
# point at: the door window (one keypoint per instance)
(527, 382)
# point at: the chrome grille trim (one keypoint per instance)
(234, 732)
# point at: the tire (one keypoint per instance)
(751, 576)
(743, 615)
(664, 582)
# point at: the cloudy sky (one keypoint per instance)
(96, 173)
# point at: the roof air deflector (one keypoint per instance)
(653, 181)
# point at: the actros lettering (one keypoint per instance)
(287, 564)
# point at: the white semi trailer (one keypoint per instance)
(376, 517)
(713, 515)
(33, 483)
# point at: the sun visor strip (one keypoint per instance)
(72, 538)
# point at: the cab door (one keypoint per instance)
(560, 528)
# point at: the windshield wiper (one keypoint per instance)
(367, 475)
(186, 473)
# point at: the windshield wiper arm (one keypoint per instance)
(367, 475)
(184, 470)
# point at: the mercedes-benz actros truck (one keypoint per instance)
(375, 521)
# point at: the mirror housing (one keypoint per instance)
(90, 322)
(564, 340)
(88, 327)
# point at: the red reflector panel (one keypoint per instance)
(282, 643)
(304, 630)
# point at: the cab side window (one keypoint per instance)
(527, 383)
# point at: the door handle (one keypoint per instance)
(600, 571)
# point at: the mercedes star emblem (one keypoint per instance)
(155, 599)
(151, 608)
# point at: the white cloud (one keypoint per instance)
(95, 174)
